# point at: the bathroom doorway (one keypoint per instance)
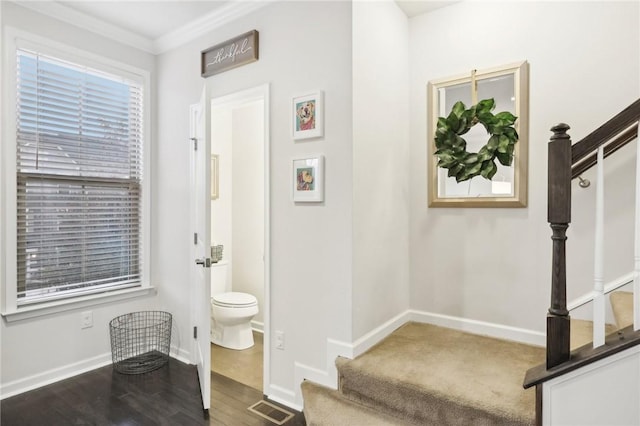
(240, 220)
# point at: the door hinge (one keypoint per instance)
(195, 238)
(195, 332)
(195, 143)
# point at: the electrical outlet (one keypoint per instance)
(280, 340)
(86, 319)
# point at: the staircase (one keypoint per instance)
(423, 374)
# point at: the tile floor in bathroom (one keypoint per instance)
(242, 366)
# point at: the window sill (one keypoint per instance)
(28, 312)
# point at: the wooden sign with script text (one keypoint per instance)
(230, 54)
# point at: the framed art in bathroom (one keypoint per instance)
(308, 115)
(308, 180)
(214, 177)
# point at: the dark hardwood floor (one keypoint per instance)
(167, 396)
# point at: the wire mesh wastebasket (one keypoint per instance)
(140, 341)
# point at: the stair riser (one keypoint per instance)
(419, 408)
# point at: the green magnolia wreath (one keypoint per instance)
(451, 148)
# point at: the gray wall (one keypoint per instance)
(495, 264)
(303, 46)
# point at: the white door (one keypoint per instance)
(200, 210)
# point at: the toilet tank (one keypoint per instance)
(220, 277)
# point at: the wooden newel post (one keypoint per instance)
(559, 217)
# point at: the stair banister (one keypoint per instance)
(598, 267)
(636, 251)
(566, 162)
(559, 217)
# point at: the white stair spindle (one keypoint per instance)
(598, 273)
(636, 250)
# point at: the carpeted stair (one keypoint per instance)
(622, 308)
(427, 375)
(622, 305)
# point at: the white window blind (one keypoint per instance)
(79, 179)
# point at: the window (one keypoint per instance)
(80, 216)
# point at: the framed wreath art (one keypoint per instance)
(478, 157)
(451, 148)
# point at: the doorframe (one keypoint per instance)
(239, 98)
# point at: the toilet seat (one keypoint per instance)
(234, 300)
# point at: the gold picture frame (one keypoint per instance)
(509, 86)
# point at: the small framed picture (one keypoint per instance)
(308, 179)
(308, 115)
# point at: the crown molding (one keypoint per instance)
(71, 16)
(182, 35)
(207, 23)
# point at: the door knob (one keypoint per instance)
(205, 262)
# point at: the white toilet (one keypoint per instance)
(231, 312)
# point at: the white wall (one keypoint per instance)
(495, 264)
(221, 144)
(248, 202)
(303, 46)
(380, 157)
(50, 347)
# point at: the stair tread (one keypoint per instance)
(622, 306)
(582, 332)
(327, 407)
(439, 374)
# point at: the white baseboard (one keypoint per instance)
(327, 377)
(57, 374)
(180, 354)
(500, 331)
(257, 326)
(283, 396)
(365, 342)
(54, 375)
(335, 348)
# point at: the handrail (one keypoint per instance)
(606, 132)
(609, 148)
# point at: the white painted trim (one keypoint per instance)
(178, 37)
(205, 24)
(86, 22)
(181, 355)
(71, 370)
(365, 342)
(608, 288)
(33, 311)
(499, 331)
(327, 377)
(257, 326)
(260, 93)
(54, 375)
(17, 38)
(283, 396)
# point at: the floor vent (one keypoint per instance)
(270, 412)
